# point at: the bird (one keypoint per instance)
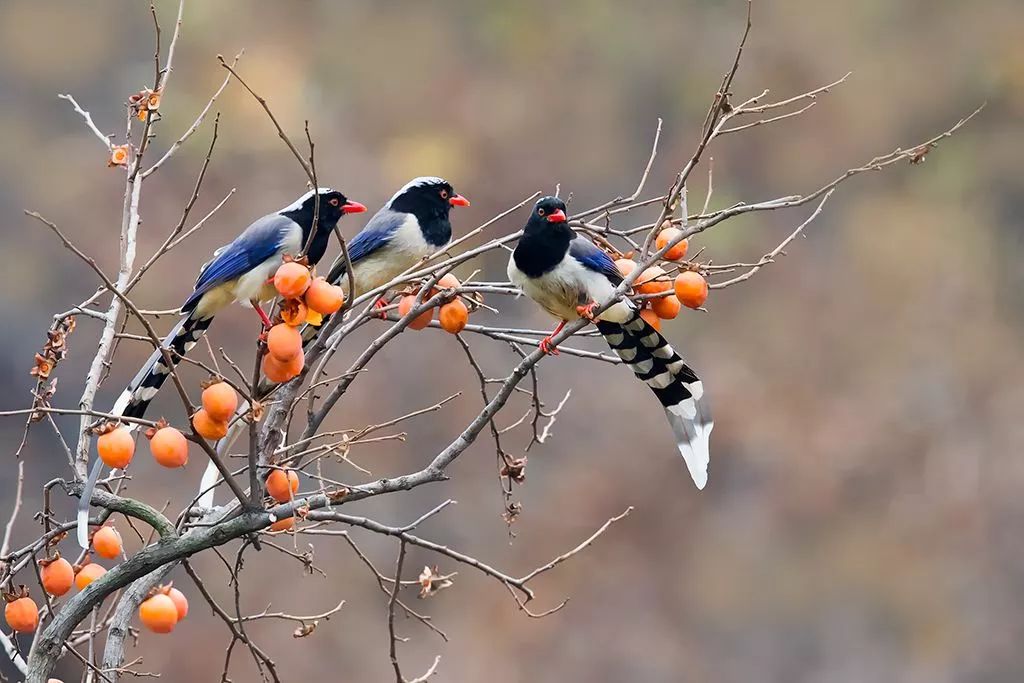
(240, 271)
(412, 225)
(568, 276)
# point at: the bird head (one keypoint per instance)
(427, 197)
(548, 212)
(333, 205)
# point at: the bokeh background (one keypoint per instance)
(863, 518)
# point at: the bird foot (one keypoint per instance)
(546, 347)
(378, 308)
(587, 310)
(263, 316)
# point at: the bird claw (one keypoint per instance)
(546, 347)
(587, 310)
(378, 308)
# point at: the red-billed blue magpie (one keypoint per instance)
(240, 271)
(412, 225)
(567, 274)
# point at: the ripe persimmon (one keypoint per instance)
(107, 542)
(276, 371)
(292, 279)
(220, 401)
(691, 289)
(453, 316)
(88, 574)
(652, 281)
(323, 297)
(295, 312)
(666, 307)
(678, 250)
(406, 304)
(158, 613)
(284, 342)
(625, 266)
(282, 485)
(286, 524)
(207, 427)
(22, 615)
(116, 448)
(651, 318)
(170, 447)
(57, 576)
(180, 602)
(449, 281)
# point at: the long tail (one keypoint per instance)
(680, 391)
(135, 399)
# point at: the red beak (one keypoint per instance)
(557, 216)
(458, 200)
(352, 207)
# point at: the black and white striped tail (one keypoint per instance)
(135, 399)
(680, 391)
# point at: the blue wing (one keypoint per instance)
(592, 258)
(260, 241)
(376, 234)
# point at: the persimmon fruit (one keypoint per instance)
(691, 289)
(220, 401)
(292, 279)
(284, 342)
(666, 307)
(116, 448)
(107, 542)
(170, 447)
(651, 318)
(453, 316)
(652, 281)
(207, 427)
(180, 602)
(625, 266)
(286, 524)
(158, 613)
(57, 576)
(88, 574)
(277, 372)
(323, 297)
(406, 304)
(282, 485)
(22, 615)
(678, 250)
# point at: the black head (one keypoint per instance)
(429, 199)
(333, 205)
(545, 239)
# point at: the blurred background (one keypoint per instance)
(863, 517)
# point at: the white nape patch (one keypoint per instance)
(422, 181)
(643, 366)
(660, 381)
(696, 389)
(664, 352)
(297, 204)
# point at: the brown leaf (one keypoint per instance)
(432, 583)
(304, 630)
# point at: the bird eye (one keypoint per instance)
(444, 194)
(334, 202)
(540, 212)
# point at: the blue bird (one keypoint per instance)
(412, 225)
(240, 271)
(568, 275)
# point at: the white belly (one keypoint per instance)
(567, 286)
(405, 249)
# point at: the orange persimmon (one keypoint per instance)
(292, 279)
(116, 448)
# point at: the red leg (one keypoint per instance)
(263, 316)
(378, 307)
(545, 343)
(587, 311)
